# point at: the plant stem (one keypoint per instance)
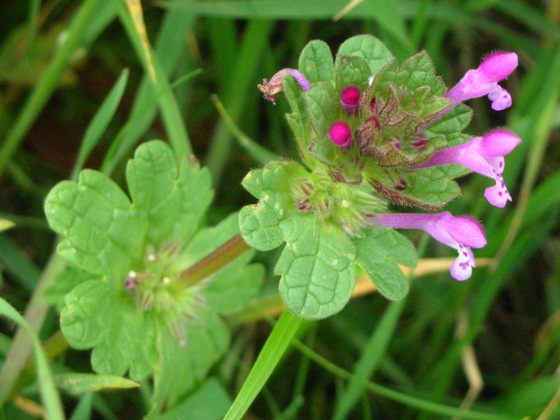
(214, 261)
(35, 314)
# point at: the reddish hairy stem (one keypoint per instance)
(217, 259)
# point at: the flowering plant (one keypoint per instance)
(372, 133)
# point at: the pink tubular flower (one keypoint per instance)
(484, 81)
(459, 232)
(275, 85)
(483, 155)
(340, 134)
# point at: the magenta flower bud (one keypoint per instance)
(340, 134)
(484, 81)
(483, 155)
(350, 98)
(275, 85)
(458, 232)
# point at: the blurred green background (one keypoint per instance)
(490, 343)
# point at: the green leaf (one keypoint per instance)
(380, 243)
(298, 119)
(316, 62)
(122, 335)
(260, 227)
(80, 383)
(128, 303)
(102, 232)
(129, 340)
(351, 70)
(369, 48)
(417, 72)
(210, 401)
(182, 366)
(64, 282)
(451, 124)
(174, 201)
(377, 252)
(429, 188)
(323, 111)
(259, 223)
(317, 268)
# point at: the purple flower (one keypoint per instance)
(484, 81)
(459, 232)
(340, 134)
(275, 86)
(484, 155)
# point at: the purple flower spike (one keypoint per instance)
(275, 86)
(484, 81)
(460, 233)
(350, 98)
(340, 134)
(483, 155)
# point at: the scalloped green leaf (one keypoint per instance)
(174, 201)
(429, 188)
(387, 278)
(81, 329)
(417, 72)
(64, 282)
(102, 231)
(210, 401)
(259, 223)
(451, 124)
(316, 62)
(105, 233)
(377, 252)
(260, 227)
(381, 243)
(317, 268)
(352, 70)
(122, 336)
(323, 111)
(369, 48)
(128, 326)
(182, 367)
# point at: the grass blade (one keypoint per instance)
(170, 112)
(49, 394)
(100, 122)
(273, 350)
(76, 34)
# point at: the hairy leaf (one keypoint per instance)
(369, 48)
(317, 268)
(316, 62)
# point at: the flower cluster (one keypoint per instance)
(388, 130)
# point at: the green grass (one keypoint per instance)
(89, 101)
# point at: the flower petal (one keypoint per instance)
(461, 269)
(467, 231)
(498, 142)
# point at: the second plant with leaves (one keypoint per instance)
(126, 294)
